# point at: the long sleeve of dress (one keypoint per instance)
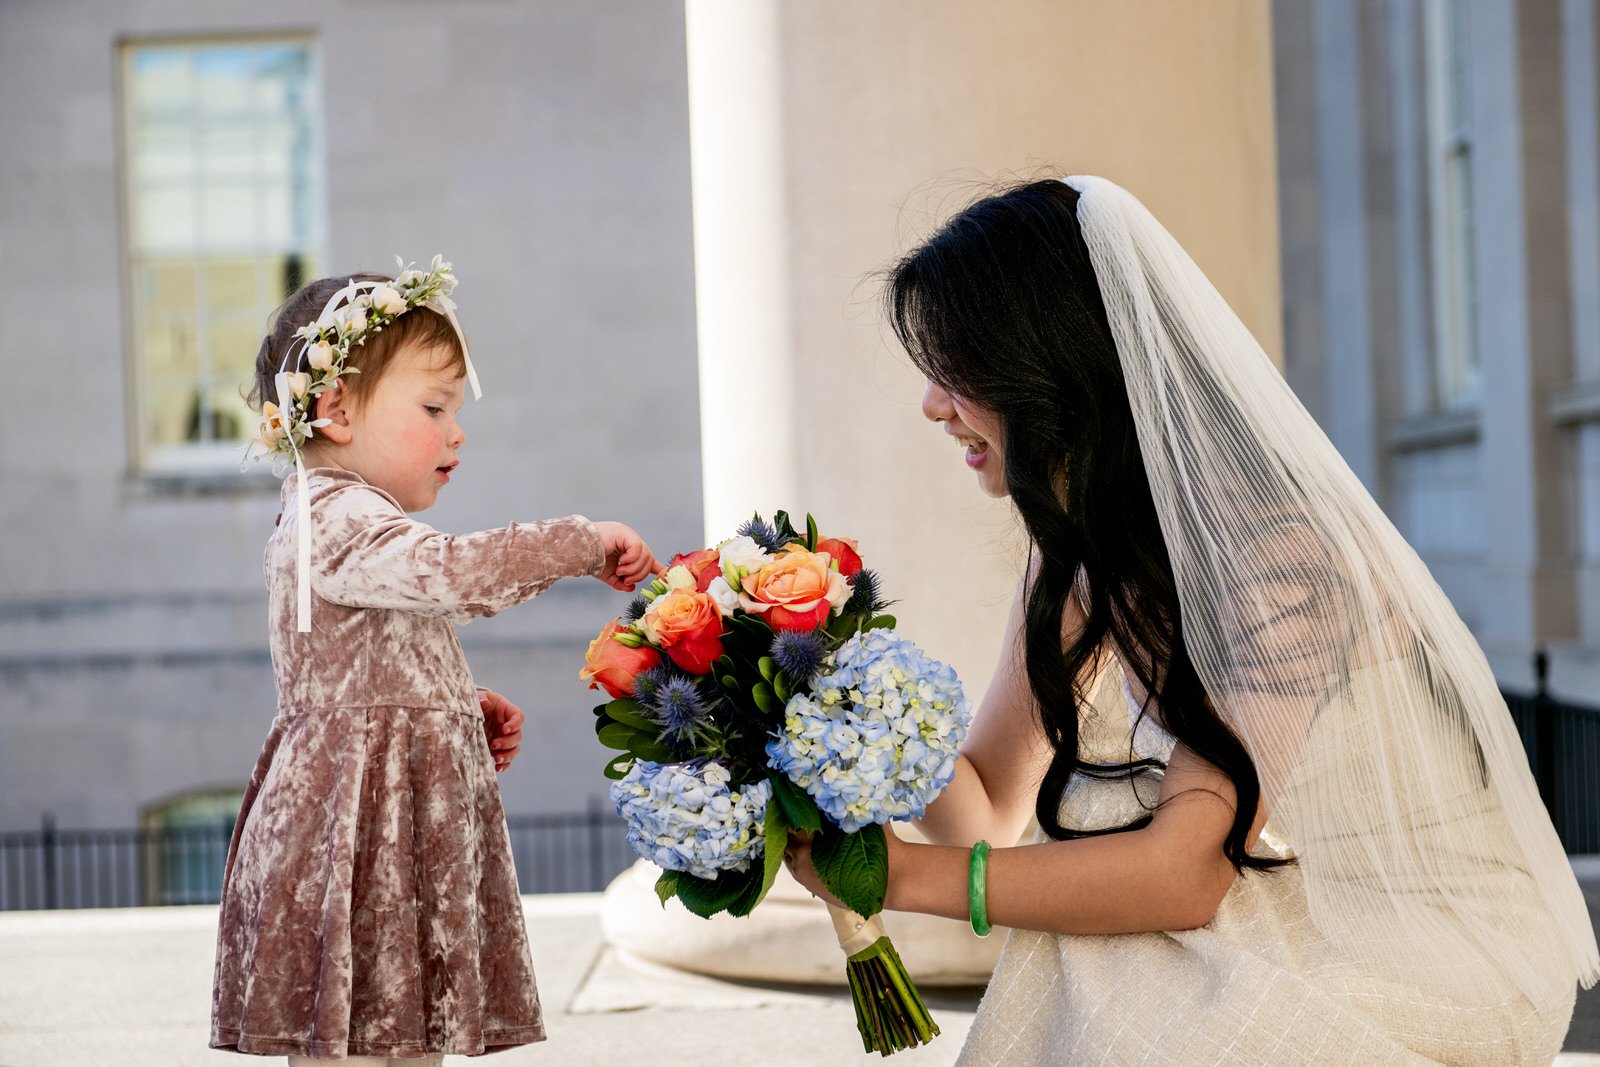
(367, 552)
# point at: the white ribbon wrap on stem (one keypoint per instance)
(854, 932)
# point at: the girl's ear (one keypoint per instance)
(334, 405)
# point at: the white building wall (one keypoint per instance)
(542, 146)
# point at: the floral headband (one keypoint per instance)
(352, 315)
(355, 313)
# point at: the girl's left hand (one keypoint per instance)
(502, 722)
(797, 857)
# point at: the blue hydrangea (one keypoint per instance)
(875, 739)
(684, 817)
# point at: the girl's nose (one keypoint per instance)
(459, 437)
(936, 404)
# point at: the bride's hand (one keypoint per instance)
(797, 857)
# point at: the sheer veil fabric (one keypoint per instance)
(1387, 759)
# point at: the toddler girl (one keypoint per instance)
(370, 906)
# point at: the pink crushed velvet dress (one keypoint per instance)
(370, 905)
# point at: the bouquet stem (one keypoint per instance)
(889, 1010)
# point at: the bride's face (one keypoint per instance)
(975, 429)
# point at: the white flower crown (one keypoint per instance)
(354, 314)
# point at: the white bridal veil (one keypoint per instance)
(1387, 759)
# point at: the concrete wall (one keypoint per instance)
(547, 144)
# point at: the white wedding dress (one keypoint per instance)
(1260, 983)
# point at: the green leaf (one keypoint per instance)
(648, 748)
(631, 713)
(811, 533)
(766, 699)
(799, 811)
(780, 688)
(776, 836)
(615, 735)
(705, 897)
(768, 667)
(617, 769)
(752, 889)
(753, 627)
(783, 527)
(843, 626)
(882, 622)
(854, 867)
(667, 886)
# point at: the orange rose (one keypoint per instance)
(687, 626)
(796, 591)
(612, 664)
(843, 552)
(703, 566)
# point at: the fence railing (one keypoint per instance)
(52, 868)
(1563, 745)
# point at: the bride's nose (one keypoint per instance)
(936, 405)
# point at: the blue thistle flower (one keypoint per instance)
(679, 707)
(762, 533)
(864, 599)
(646, 684)
(635, 609)
(799, 653)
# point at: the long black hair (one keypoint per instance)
(1001, 308)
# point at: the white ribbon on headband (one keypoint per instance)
(441, 304)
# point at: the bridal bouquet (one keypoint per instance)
(758, 691)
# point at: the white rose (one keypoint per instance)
(299, 381)
(353, 320)
(319, 356)
(742, 552)
(679, 578)
(838, 591)
(720, 591)
(270, 430)
(387, 301)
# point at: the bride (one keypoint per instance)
(1313, 837)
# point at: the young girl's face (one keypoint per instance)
(404, 437)
(976, 429)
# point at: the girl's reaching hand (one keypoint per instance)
(629, 560)
(502, 722)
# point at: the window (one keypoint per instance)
(224, 193)
(186, 846)
(1455, 365)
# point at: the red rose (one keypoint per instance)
(703, 566)
(612, 664)
(842, 550)
(688, 626)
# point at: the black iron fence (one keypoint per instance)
(53, 868)
(1563, 744)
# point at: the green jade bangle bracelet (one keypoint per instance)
(978, 889)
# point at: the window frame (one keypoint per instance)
(205, 461)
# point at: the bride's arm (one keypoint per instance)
(1169, 875)
(1004, 756)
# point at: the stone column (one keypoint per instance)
(827, 137)
(1524, 328)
